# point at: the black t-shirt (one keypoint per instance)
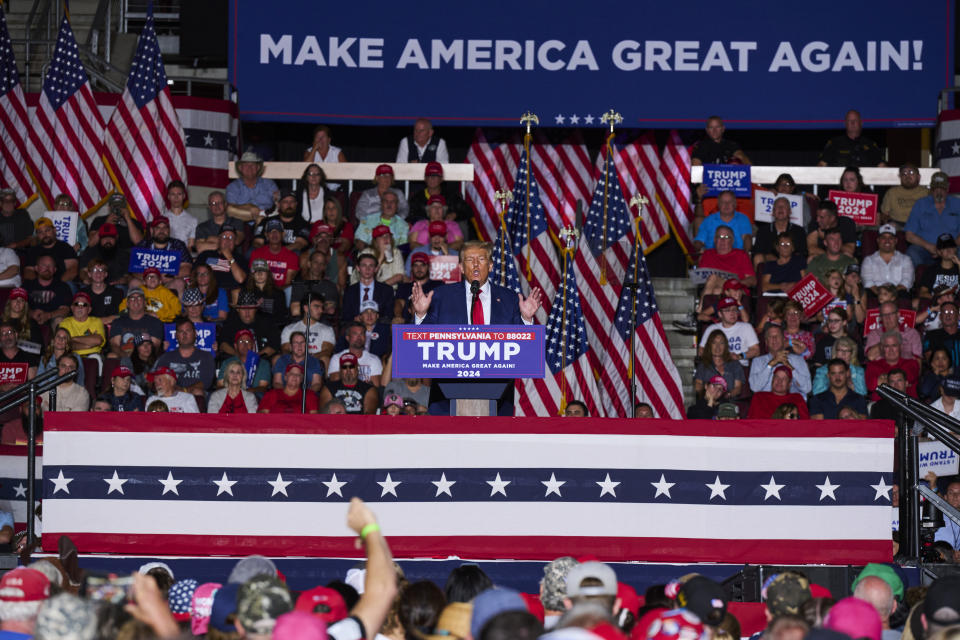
(262, 328)
(841, 151)
(50, 297)
(292, 229)
(351, 397)
(22, 356)
(118, 260)
(123, 235)
(18, 226)
(450, 192)
(106, 303)
(789, 272)
(60, 252)
(935, 275)
(709, 152)
(221, 267)
(127, 328)
(274, 307)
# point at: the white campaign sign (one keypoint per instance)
(65, 222)
(939, 458)
(763, 206)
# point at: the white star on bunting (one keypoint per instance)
(389, 486)
(663, 487)
(60, 483)
(608, 486)
(333, 486)
(882, 489)
(225, 484)
(827, 489)
(170, 485)
(559, 119)
(717, 489)
(279, 485)
(20, 490)
(115, 483)
(498, 486)
(588, 119)
(443, 485)
(772, 489)
(553, 485)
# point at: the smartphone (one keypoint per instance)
(108, 587)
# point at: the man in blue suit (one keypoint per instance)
(474, 300)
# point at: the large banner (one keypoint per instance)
(757, 64)
(532, 488)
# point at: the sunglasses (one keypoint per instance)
(80, 304)
(348, 366)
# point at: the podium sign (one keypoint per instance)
(468, 352)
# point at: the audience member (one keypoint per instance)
(233, 397)
(106, 253)
(456, 209)
(256, 370)
(49, 295)
(931, 217)
(357, 395)
(321, 150)
(436, 212)
(947, 402)
(208, 231)
(164, 380)
(832, 258)
(898, 201)
(183, 226)
(251, 195)
(246, 315)
(16, 228)
(940, 367)
(321, 336)
(882, 409)
(799, 340)
(390, 269)
(827, 404)
(70, 395)
(852, 148)
(912, 346)
(741, 338)
(716, 360)
(388, 217)
(135, 322)
(105, 298)
(341, 229)
(725, 258)
(887, 265)
(160, 238)
(890, 350)
(16, 311)
(228, 265)
(121, 396)
(827, 218)
(58, 346)
(64, 256)
(726, 216)
(845, 349)
(283, 263)
(706, 405)
(425, 145)
(787, 269)
(765, 403)
(216, 301)
(370, 366)
(372, 201)
(420, 273)
(296, 353)
(289, 399)
(194, 367)
(366, 288)
(87, 333)
(272, 302)
(762, 367)
(311, 195)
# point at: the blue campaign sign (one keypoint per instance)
(756, 64)
(727, 177)
(453, 351)
(166, 261)
(206, 336)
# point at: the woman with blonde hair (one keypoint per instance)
(845, 349)
(16, 311)
(234, 397)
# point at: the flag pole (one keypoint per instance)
(504, 197)
(528, 118)
(638, 201)
(613, 118)
(568, 238)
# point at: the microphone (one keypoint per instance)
(475, 287)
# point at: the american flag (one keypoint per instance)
(603, 253)
(66, 149)
(563, 172)
(15, 129)
(674, 182)
(658, 382)
(570, 360)
(503, 268)
(145, 141)
(623, 490)
(530, 237)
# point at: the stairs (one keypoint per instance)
(676, 298)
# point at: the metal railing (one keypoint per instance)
(916, 418)
(29, 392)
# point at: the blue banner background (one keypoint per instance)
(752, 36)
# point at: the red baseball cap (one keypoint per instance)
(82, 295)
(384, 170)
(157, 221)
(433, 169)
(107, 229)
(733, 283)
(725, 303)
(381, 230)
(150, 270)
(241, 333)
(161, 371)
(348, 357)
(420, 256)
(323, 602)
(437, 228)
(292, 366)
(320, 227)
(437, 199)
(121, 372)
(18, 292)
(24, 585)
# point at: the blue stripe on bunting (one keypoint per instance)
(799, 488)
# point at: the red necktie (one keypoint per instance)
(366, 293)
(476, 313)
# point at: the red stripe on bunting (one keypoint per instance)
(610, 549)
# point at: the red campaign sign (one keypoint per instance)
(908, 318)
(13, 372)
(859, 207)
(811, 295)
(446, 268)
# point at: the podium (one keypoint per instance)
(473, 398)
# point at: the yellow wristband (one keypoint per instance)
(367, 530)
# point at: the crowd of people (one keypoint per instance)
(277, 292)
(578, 598)
(891, 315)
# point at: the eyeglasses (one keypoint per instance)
(244, 340)
(786, 244)
(99, 270)
(8, 333)
(832, 320)
(725, 237)
(313, 175)
(909, 172)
